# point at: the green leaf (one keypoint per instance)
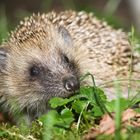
(2, 133)
(101, 93)
(67, 117)
(124, 104)
(97, 111)
(48, 124)
(56, 102)
(78, 105)
(87, 92)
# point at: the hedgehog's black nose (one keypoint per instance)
(71, 83)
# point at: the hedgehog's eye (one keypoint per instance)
(34, 71)
(66, 59)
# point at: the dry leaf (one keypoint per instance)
(107, 124)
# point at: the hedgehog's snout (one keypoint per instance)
(71, 83)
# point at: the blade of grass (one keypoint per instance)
(118, 80)
(79, 119)
(117, 112)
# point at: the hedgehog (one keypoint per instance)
(48, 53)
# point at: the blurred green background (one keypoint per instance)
(117, 12)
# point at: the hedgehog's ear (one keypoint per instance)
(3, 57)
(65, 35)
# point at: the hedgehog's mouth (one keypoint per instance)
(69, 94)
(65, 94)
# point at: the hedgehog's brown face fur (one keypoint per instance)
(39, 69)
